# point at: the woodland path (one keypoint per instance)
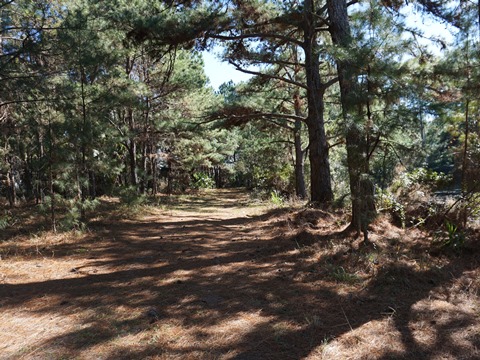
(211, 277)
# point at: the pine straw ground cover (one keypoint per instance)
(213, 277)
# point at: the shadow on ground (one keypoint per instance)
(212, 285)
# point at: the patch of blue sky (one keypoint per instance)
(219, 71)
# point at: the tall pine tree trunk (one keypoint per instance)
(131, 143)
(356, 142)
(321, 186)
(132, 160)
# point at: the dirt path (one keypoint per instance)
(215, 278)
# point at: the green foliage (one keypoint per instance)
(131, 197)
(5, 220)
(473, 206)
(69, 212)
(388, 202)
(411, 200)
(202, 181)
(456, 238)
(266, 172)
(339, 274)
(72, 217)
(422, 176)
(276, 198)
(453, 238)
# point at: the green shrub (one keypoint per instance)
(129, 196)
(276, 198)
(422, 177)
(388, 202)
(5, 220)
(68, 212)
(339, 274)
(411, 200)
(202, 181)
(455, 238)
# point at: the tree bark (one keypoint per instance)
(300, 189)
(53, 218)
(85, 143)
(356, 142)
(144, 175)
(321, 186)
(12, 193)
(132, 157)
(132, 149)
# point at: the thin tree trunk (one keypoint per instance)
(132, 145)
(53, 219)
(299, 165)
(300, 189)
(132, 149)
(85, 140)
(27, 178)
(132, 152)
(153, 167)
(464, 183)
(93, 184)
(12, 193)
(144, 174)
(465, 148)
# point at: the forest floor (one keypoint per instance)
(216, 276)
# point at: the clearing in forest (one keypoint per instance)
(217, 277)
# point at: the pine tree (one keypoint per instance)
(277, 28)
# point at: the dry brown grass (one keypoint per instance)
(231, 281)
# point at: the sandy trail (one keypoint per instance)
(213, 277)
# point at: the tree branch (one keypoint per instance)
(6, 3)
(329, 83)
(254, 36)
(239, 68)
(5, 103)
